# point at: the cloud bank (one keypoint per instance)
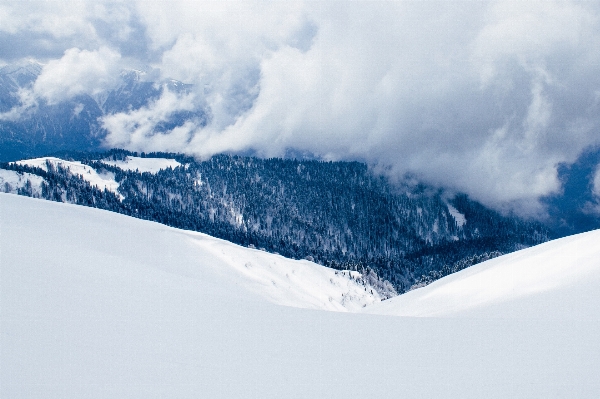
(78, 72)
(482, 97)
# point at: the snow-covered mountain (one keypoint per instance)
(96, 305)
(337, 214)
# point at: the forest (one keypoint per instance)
(338, 214)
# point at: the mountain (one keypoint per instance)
(75, 124)
(13, 78)
(96, 305)
(338, 214)
(71, 124)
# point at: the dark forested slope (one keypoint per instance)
(337, 213)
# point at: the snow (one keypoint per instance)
(458, 217)
(102, 181)
(557, 279)
(96, 305)
(276, 279)
(11, 180)
(297, 283)
(151, 165)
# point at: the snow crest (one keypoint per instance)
(100, 180)
(150, 165)
(99, 305)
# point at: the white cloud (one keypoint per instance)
(78, 72)
(58, 18)
(136, 129)
(484, 97)
(530, 32)
(27, 102)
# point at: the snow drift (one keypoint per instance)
(96, 305)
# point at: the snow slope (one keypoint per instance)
(102, 181)
(97, 305)
(279, 280)
(152, 165)
(557, 279)
(11, 181)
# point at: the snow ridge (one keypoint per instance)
(150, 165)
(104, 180)
(99, 305)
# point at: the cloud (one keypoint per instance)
(26, 102)
(137, 129)
(413, 94)
(46, 29)
(482, 97)
(78, 72)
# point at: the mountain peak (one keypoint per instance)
(21, 73)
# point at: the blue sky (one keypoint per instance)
(482, 97)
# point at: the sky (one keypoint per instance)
(486, 98)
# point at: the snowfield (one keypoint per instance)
(459, 218)
(11, 181)
(151, 165)
(104, 180)
(97, 305)
(87, 173)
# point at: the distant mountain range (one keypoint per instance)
(74, 124)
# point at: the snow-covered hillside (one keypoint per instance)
(279, 280)
(102, 181)
(337, 214)
(11, 182)
(557, 279)
(95, 304)
(151, 165)
(105, 180)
